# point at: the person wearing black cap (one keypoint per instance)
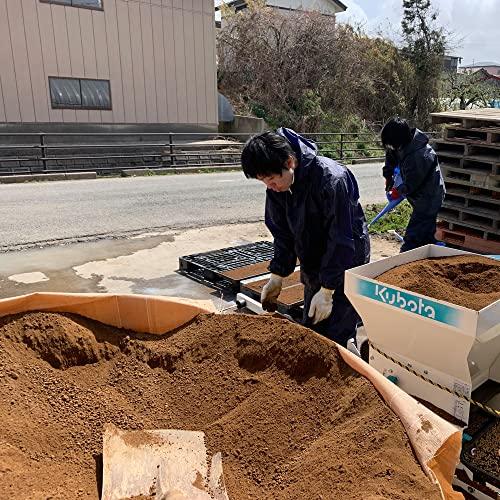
(423, 184)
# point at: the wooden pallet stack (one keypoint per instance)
(469, 154)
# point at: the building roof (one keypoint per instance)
(486, 75)
(340, 4)
(481, 64)
(236, 3)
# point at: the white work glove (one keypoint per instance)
(270, 293)
(321, 305)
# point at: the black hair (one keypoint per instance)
(396, 133)
(265, 154)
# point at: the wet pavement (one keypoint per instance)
(144, 264)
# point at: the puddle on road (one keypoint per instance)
(29, 278)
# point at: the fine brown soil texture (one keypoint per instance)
(486, 454)
(291, 280)
(291, 419)
(469, 281)
(242, 273)
(251, 271)
(292, 295)
(292, 292)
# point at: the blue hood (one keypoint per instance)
(319, 220)
(305, 150)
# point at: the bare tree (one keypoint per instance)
(424, 47)
(468, 90)
(302, 70)
(289, 68)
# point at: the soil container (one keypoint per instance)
(294, 415)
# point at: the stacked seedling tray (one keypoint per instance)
(469, 155)
(243, 269)
(224, 269)
(480, 465)
(291, 298)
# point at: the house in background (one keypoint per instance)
(493, 68)
(326, 7)
(107, 65)
(450, 63)
(485, 76)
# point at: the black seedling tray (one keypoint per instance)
(209, 266)
(482, 474)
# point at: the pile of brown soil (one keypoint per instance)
(291, 293)
(469, 281)
(292, 420)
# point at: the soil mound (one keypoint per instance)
(468, 281)
(291, 419)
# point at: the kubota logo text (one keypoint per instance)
(395, 297)
(424, 307)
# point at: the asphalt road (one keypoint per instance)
(48, 212)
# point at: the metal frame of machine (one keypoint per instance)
(456, 348)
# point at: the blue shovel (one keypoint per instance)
(392, 203)
(390, 206)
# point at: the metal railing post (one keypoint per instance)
(341, 145)
(171, 147)
(42, 148)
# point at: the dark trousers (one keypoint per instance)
(420, 231)
(340, 326)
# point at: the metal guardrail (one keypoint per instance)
(338, 145)
(110, 152)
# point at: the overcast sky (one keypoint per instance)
(475, 23)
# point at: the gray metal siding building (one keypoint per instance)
(92, 64)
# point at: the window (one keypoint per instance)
(79, 93)
(86, 4)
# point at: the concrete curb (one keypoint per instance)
(70, 176)
(367, 160)
(132, 172)
(137, 172)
